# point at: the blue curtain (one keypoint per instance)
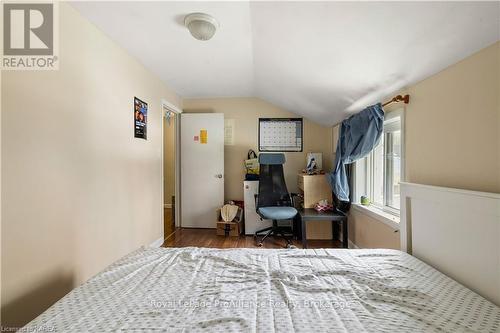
(358, 135)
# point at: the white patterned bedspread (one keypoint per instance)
(256, 290)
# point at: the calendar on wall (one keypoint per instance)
(280, 134)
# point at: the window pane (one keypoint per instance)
(378, 173)
(393, 169)
(361, 186)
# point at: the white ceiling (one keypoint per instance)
(321, 60)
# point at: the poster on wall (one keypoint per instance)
(140, 119)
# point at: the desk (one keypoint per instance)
(313, 189)
(310, 214)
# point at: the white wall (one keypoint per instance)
(78, 190)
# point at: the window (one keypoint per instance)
(377, 176)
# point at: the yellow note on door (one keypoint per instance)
(203, 136)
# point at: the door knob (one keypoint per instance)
(218, 175)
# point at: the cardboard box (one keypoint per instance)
(233, 229)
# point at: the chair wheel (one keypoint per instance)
(259, 244)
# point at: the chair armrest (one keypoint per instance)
(256, 196)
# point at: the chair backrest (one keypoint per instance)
(272, 186)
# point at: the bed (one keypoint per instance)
(257, 290)
(456, 232)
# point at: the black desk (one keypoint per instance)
(310, 214)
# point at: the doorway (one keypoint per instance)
(171, 216)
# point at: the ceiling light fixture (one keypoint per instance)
(201, 26)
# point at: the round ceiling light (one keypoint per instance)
(201, 26)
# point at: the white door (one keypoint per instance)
(202, 168)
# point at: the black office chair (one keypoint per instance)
(273, 201)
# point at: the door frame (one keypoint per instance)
(169, 107)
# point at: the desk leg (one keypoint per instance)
(335, 230)
(345, 235)
(304, 237)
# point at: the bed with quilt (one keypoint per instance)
(259, 290)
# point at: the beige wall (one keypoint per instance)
(246, 113)
(78, 190)
(452, 135)
(452, 125)
(367, 232)
(168, 160)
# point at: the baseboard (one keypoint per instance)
(351, 245)
(167, 206)
(157, 243)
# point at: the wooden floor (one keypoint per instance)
(208, 238)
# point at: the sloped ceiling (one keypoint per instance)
(321, 60)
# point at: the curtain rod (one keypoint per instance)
(398, 98)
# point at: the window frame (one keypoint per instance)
(363, 177)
